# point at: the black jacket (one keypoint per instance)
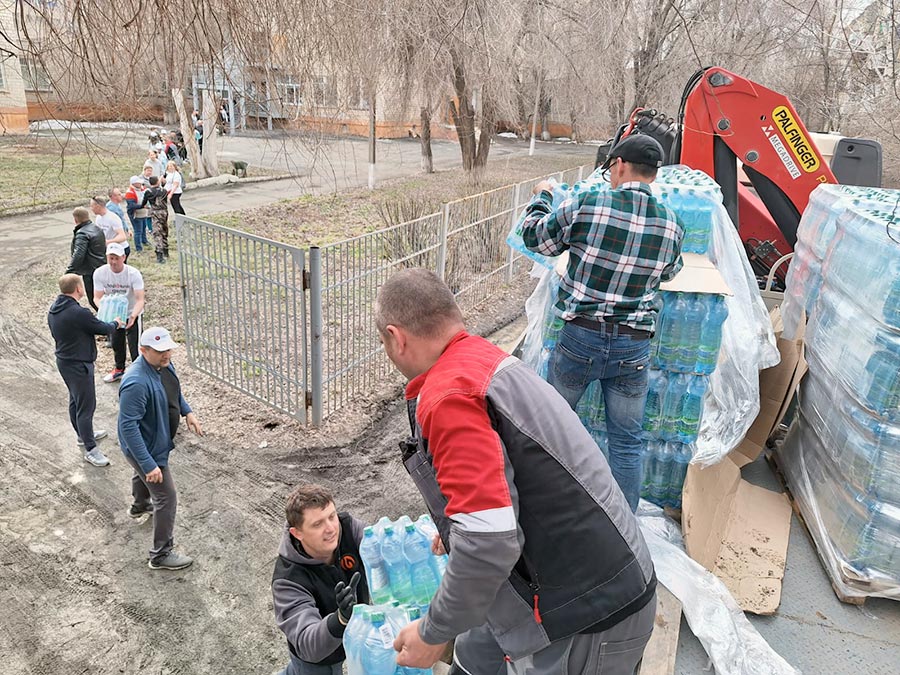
(303, 594)
(73, 328)
(88, 249)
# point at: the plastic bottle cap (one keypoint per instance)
(377, 616)
(389, 529)
(410, 527)
(369, 531)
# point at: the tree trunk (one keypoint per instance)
(462, 113)
(210, 117)
(187, 131)
(425, 139)
(488, 124)
(573, 122)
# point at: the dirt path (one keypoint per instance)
(76, 596)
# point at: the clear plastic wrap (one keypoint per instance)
(748, 346)
(734, 646)
(842, 455)
(814, 234)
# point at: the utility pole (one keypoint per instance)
(372, 140)
(534, 120)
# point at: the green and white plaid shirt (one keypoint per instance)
(622, 244)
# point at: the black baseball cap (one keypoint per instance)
(636, 149)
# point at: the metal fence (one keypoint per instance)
(464, 242)
(247, 321)
(245, 314)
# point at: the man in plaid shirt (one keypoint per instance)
(622, 244)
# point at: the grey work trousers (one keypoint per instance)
(79, 379)
(615, 651)
(164, 504)
(300, 667)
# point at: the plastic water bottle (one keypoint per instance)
(680, 460)
(413, 614)
(378, 655)
(380, 526)
(703, 221)
(400, 526)
(883, 370)
(670, 326)
(423, 579)
(376, 571)
(689, 338)
(656, 396)
(426, 526)
(354, 639)
(397, 567)
(672, 406)
(692, 410)
(660, 474)
(711, 334)
(647, 458)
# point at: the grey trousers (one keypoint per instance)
(164, 504)
(298, 667)
(615, 651)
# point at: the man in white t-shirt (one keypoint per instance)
(115, 277)
(111, 225)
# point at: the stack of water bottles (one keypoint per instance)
(113, 306)
(694, 197)
(684, 353)
(815, 232)
(842, 454)
(403, 575)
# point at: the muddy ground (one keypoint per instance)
(75, 592)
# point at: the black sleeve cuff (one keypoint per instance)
(334, 625)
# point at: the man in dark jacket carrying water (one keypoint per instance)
(73, 328)
(318, 578)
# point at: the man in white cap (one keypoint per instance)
(118, 278)
(140, 217)
(150, 407)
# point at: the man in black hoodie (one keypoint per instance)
(318, 577)
(88, 250)
(73, 328)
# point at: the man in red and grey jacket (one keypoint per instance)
(548, 571)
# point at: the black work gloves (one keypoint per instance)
(345, 594)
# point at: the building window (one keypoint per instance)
(34, 75)
(356, 97)
(2, 75)
(324, 91)
(291, 93)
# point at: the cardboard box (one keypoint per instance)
(776, 389)
(737, 531)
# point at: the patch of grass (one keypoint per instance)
(315, 220)
(40, 172)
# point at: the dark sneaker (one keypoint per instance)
(136, 511)
(171, 561)
(114, 375)
(96, 458)
(97, 436)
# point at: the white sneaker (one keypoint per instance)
(96, 458)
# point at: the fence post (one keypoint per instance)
(442, 246)
(181, 240)
(513, 219)
(581, 173)
(315, 332)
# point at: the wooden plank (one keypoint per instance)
(659, 655)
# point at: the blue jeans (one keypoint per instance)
(622, 365)
(140, 226)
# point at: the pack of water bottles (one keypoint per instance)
(694, 197)
(403, 575)
(842, 455)
(113, 306)
(817, 228)
(689, 332)
(369, 639)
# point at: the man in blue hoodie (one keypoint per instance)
(73, 328)
(150, 407)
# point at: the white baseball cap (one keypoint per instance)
(137, 179)
(115, 248)
(158, 338)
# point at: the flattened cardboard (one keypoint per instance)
(776, 389)
(738, 531)
(698, 275)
